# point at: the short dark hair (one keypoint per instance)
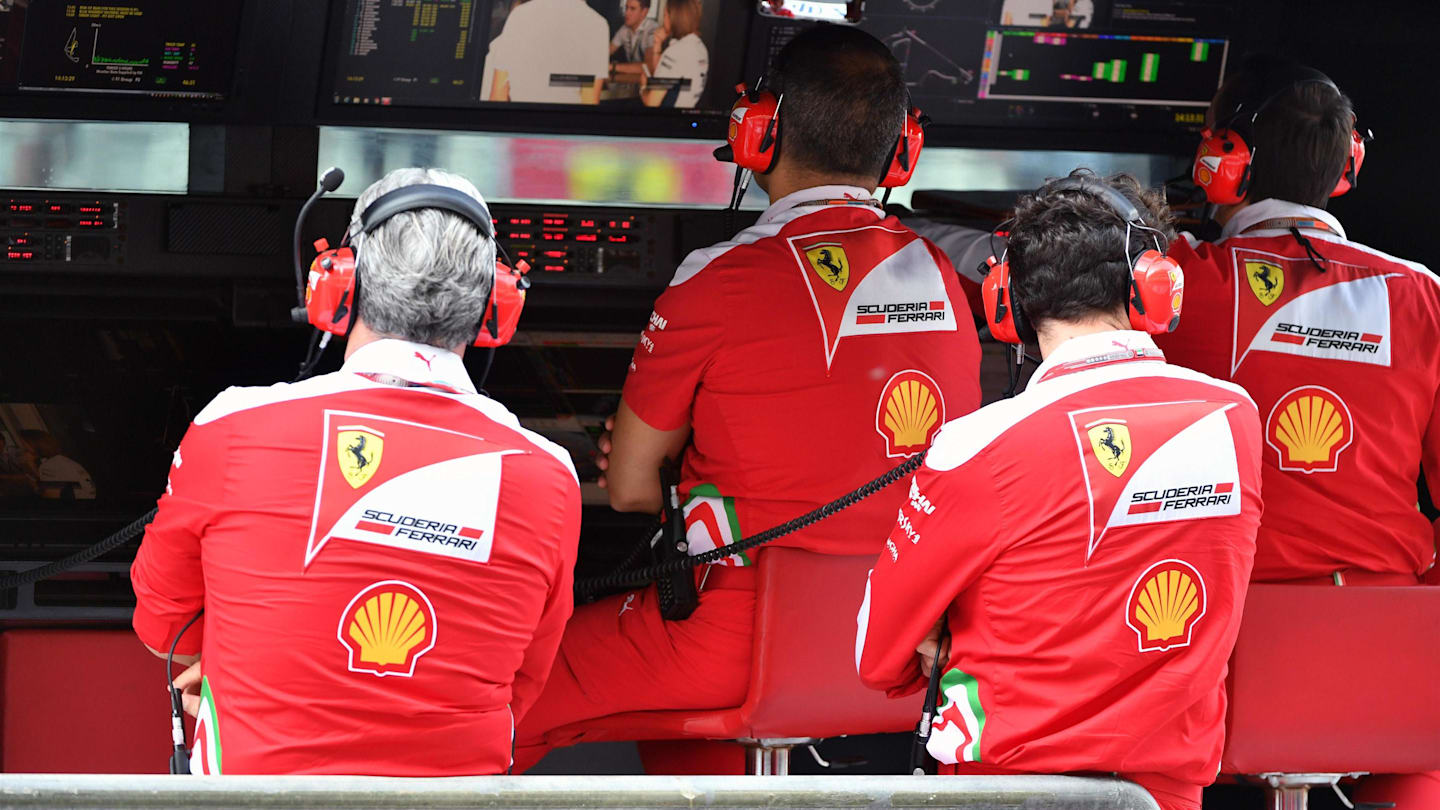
(1067, 253)
(844, 101)
(1301, 137)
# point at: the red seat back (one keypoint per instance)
(802, 677)
(803, 681)
(81, 701)
(1332, 680)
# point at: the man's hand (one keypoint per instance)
(188, 682)
(926, 648)
(604, 443)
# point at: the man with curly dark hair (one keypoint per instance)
(1086, 545)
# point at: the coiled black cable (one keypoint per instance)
(642, 576)
(79, 558)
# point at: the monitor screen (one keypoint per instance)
(138, 47)
(610, 55)
(1078, 64)
(12, 27)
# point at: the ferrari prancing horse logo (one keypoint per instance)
(1267, 280)
(1111, 443)
(358, 450)
(830, 263)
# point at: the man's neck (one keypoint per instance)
(1224, 213)
(362, 335)
(1054, 333)
(783, 182)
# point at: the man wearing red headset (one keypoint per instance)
(1333, 339)
(798, 360)
(1086, 545)
(383, 554)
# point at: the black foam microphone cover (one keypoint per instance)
(332, 179)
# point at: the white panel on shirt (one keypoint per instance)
(907, 279)
(447, 509)
(1193, 475)
(1348, 320)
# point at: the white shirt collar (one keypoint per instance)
(1272, 208)
(1120, 344)
(813, 194)
(417, 363)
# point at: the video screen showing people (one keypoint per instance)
(38, 459)
(1048, 13)
(609, 53)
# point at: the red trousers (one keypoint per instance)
(618, 655)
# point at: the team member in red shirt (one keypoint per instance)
(1088, 543)
(1329, 336)
(802, 358)
(383, 554)
(1334, 340)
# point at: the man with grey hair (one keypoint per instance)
(383, 554)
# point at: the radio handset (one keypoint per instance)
(678, 595)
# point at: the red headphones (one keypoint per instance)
(754, 136)
(333, 289)
(1223, 160)
(1157, 284)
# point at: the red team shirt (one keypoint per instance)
(384, 558)
(1344, 367)
(1089, 542)
(821, 346)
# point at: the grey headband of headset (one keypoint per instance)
(426, 195)
(1119, 202)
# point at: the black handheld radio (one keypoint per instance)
(677, 592)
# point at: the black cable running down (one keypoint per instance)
(79, 558)
(179, 757)
(312, 356)
(593, 585)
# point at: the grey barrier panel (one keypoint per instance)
(791, 792)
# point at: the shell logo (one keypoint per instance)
(386, 628)
(734, 130)
(1309, 428)
(910, 412)
(1206, 166)
(1165, 604)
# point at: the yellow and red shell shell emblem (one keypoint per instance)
(1308, 428)
(910, 412)
(387, 627)
(1165, 604)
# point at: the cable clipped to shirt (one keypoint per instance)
(1321, 263)
(643, 576)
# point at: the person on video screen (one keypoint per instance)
(636, 33)
(59, 476)
(383, 554)
(550, 52)
(1048, 13)
(18, 476)
(678, 57)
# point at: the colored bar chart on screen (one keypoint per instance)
(1101, 68)
(1149, 67)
